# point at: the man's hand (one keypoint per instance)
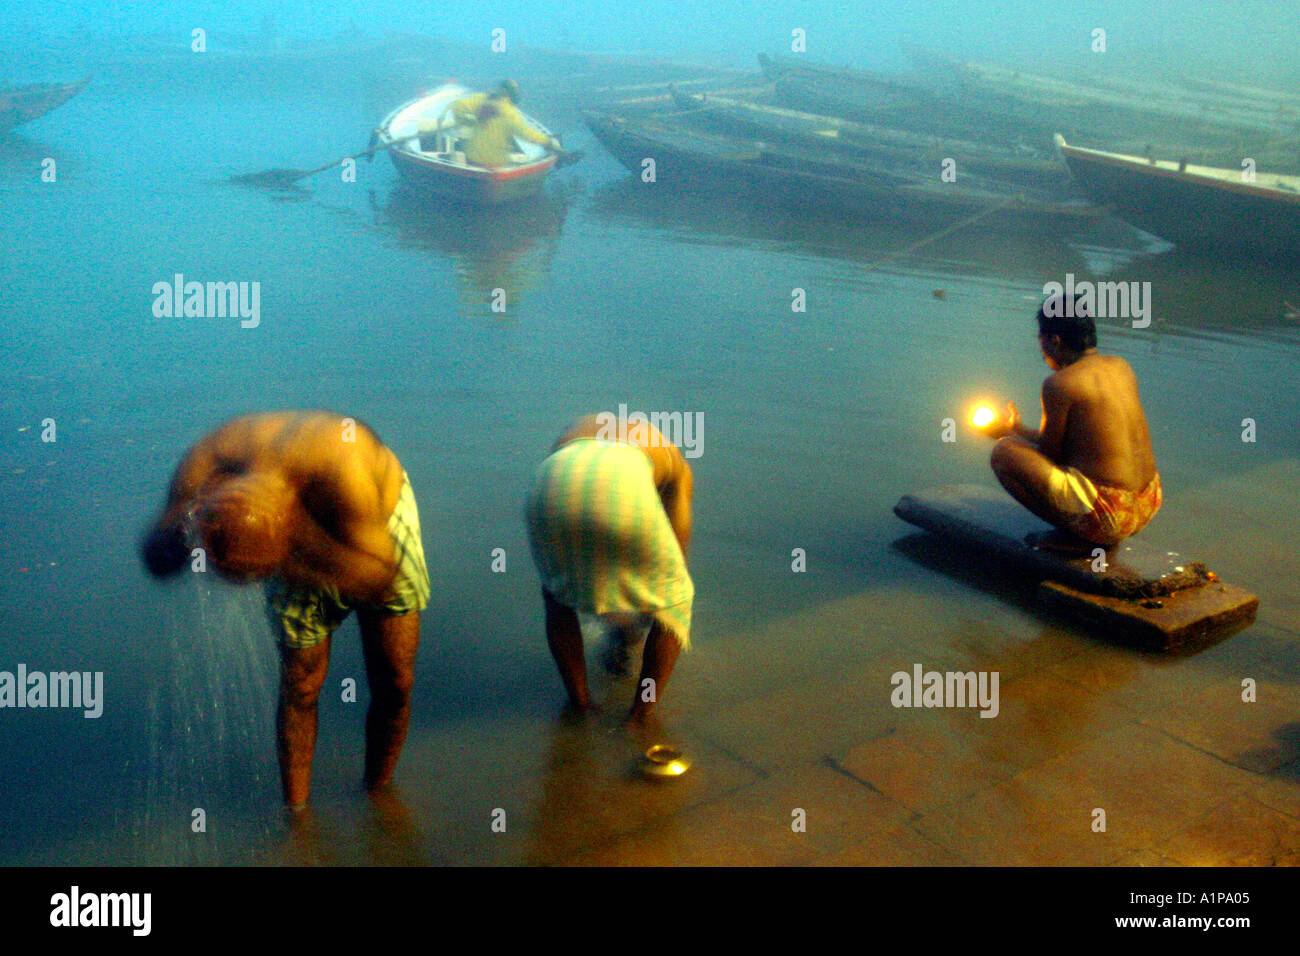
(164, 551)
(1001, 426)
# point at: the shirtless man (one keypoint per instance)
(314, 505)
(1088, 469)
(609, 521)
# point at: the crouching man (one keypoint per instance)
(1088, 468)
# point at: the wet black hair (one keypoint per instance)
(1069, 319)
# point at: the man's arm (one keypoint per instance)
(345, 541)
(520, 127)
(164, 549)
(676, 497)
(1056, 413)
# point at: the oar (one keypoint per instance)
(284, 178)
(568, 158)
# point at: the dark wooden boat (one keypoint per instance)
(1128, 114)
(857, 95)
(443, 171)
(758, 172)
(1194, 206)
(22, 104)
(901, 101)
(903, 148)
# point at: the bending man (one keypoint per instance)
(608, 524)
(495, 121)
(315, 506)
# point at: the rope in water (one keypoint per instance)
(954, 227)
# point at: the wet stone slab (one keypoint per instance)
(1139, 591)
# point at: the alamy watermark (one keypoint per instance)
(208, 300)
(75, 908)
(683, 429)
(922, 688)
(1100, 300)
(83, 690)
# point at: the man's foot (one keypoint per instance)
(1060, 542)
(574, 713)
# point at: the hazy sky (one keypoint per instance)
(864, 32)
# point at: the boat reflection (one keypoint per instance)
(1204, 292)
(931, 247)
(498, 253)
(21, 156)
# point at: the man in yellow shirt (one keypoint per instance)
(496, 122)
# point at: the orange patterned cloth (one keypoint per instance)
(1103, 514)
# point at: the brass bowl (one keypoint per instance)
(663, 761)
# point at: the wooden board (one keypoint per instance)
(1167, 623)
(1145, 593)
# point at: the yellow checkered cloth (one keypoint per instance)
(306, 615)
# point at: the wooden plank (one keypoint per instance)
(1145, 593)
(989, 519)
(1167, 623)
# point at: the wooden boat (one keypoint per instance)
(921, 151)
(855, 95)
(760, 173)
(1137, 113)
(1115, 102)
(903, 102)
(442, 170)
(1194, 206)
(22, 104)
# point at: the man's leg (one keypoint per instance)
(564, 637)
(389, 643)
(661, 650)
(1026, 474)
(302, 674)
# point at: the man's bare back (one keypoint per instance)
(311, 491)
(1105, 430)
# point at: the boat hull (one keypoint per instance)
(1188, 210)
(895, 146)
(746, 169)
(445, 174)
(476, 186)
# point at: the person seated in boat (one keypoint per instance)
(315, 506)
(494, 120)
(1088, 468)
(608, 525)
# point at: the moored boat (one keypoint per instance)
(1194, 206)
(22, 104)
(762, 174)
(899, 100)
(436, 166)
(921, 151)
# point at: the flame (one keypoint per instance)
(982, 417)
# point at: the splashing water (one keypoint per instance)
(211, 729)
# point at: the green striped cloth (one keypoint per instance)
(601, 539)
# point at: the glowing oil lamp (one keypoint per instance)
(982, 417)
(663, 760)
